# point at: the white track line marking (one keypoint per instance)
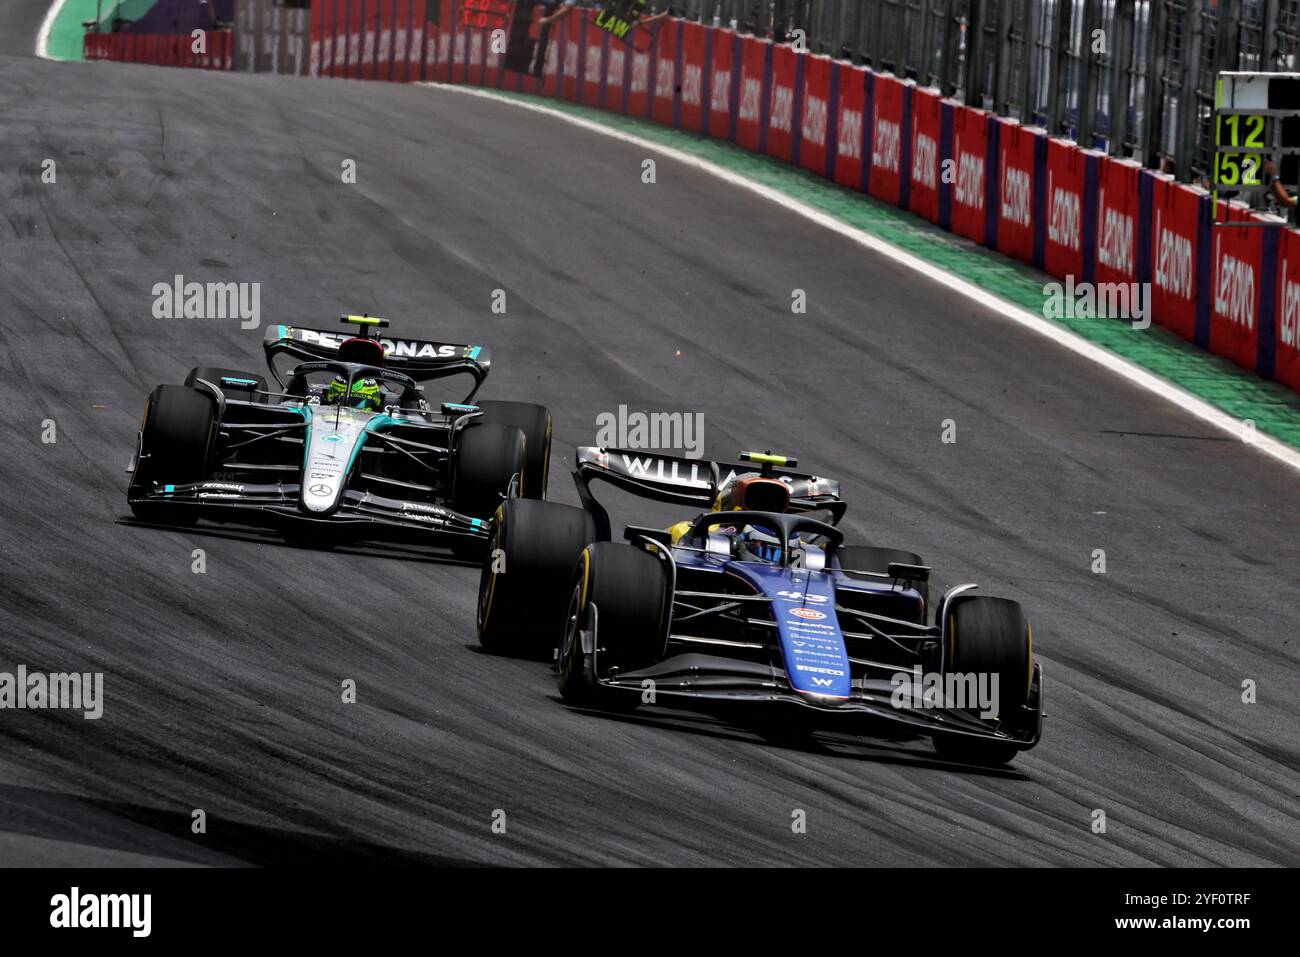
(43, 37)
(1059, 334)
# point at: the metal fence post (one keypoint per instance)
(974, 44)
(1121, 80)
(1086, 116)
(1032, 21)
(1059, 41)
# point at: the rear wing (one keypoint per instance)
(418, 358)
(694, 482)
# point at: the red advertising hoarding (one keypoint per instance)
(814, 113)
(721, 84)
(887, 137)
(1063, 249)
(780, 106)
(1286, 367)
(665, 73)
(927, 120)
(1234, 286)
(1117, 220)
(749, 114)
(695, 44)
(1016, 146)
(593, 63)
(849, 125)
(1175, 212)
(970, 169)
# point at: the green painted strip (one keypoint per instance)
(1273, 408)
(66, 32)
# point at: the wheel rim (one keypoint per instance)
(571, 644)
(488, 578)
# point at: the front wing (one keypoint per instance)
(363, 514)
(699, 679)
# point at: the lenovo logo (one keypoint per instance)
(1115, 245)
(1016, 188)
(814, 120)
(970, 179)
(1174, 262)
(1234, 293)
(850, 134)
(1064, 218)
(925, 162)
(614, 74)
(886, 150)
(720, 97)
(782, 109)
(640, 72)
(1290, 310)
(751, 99)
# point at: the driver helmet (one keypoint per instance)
(365, 394)
(757, 543)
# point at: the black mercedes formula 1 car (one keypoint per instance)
(755, 605)
(347, 448)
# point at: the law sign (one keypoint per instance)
(619, 18)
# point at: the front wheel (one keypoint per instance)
(176, 442)
(988, 638)
(623, 591)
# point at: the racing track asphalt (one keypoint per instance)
(20, 21)
(223, 688)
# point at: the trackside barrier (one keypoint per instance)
(755, 92)
(852, 136)
(885, 161)
(1018, 153)
(969, 174)
(1240, 304)
(925, 134)
(1179, 217)
(161, 49)
(1071, 212)
(1286, 330)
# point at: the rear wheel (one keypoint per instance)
(629, 589)
(242, 393)
(524, 587)
(991, 636)
(176, 441)
(535, 422)
(485, 459)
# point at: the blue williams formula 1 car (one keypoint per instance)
(755, 605)
(348, 448)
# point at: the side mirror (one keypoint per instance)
(632, 532)
(911, 573)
